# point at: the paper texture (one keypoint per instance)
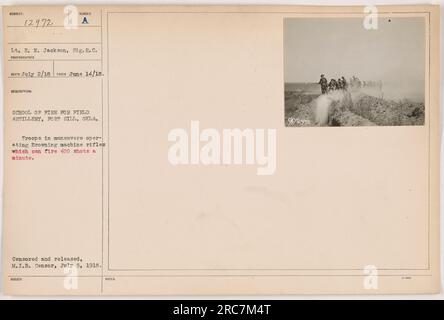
(196, 150)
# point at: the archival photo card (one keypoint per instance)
(349, 72)
(148, 152)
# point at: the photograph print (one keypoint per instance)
(338, 73)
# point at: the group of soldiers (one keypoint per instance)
(341, 84)
(326, 86)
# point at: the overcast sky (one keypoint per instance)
(341, 46)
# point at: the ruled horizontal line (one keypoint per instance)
(45, 27)
(223, 275)
(54, 43)
(24, 60)
(54, 77)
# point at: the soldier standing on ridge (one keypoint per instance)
(344, 84)
(340, 84)
(333, 85)
(324, 84)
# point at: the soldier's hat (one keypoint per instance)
(322, 75)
